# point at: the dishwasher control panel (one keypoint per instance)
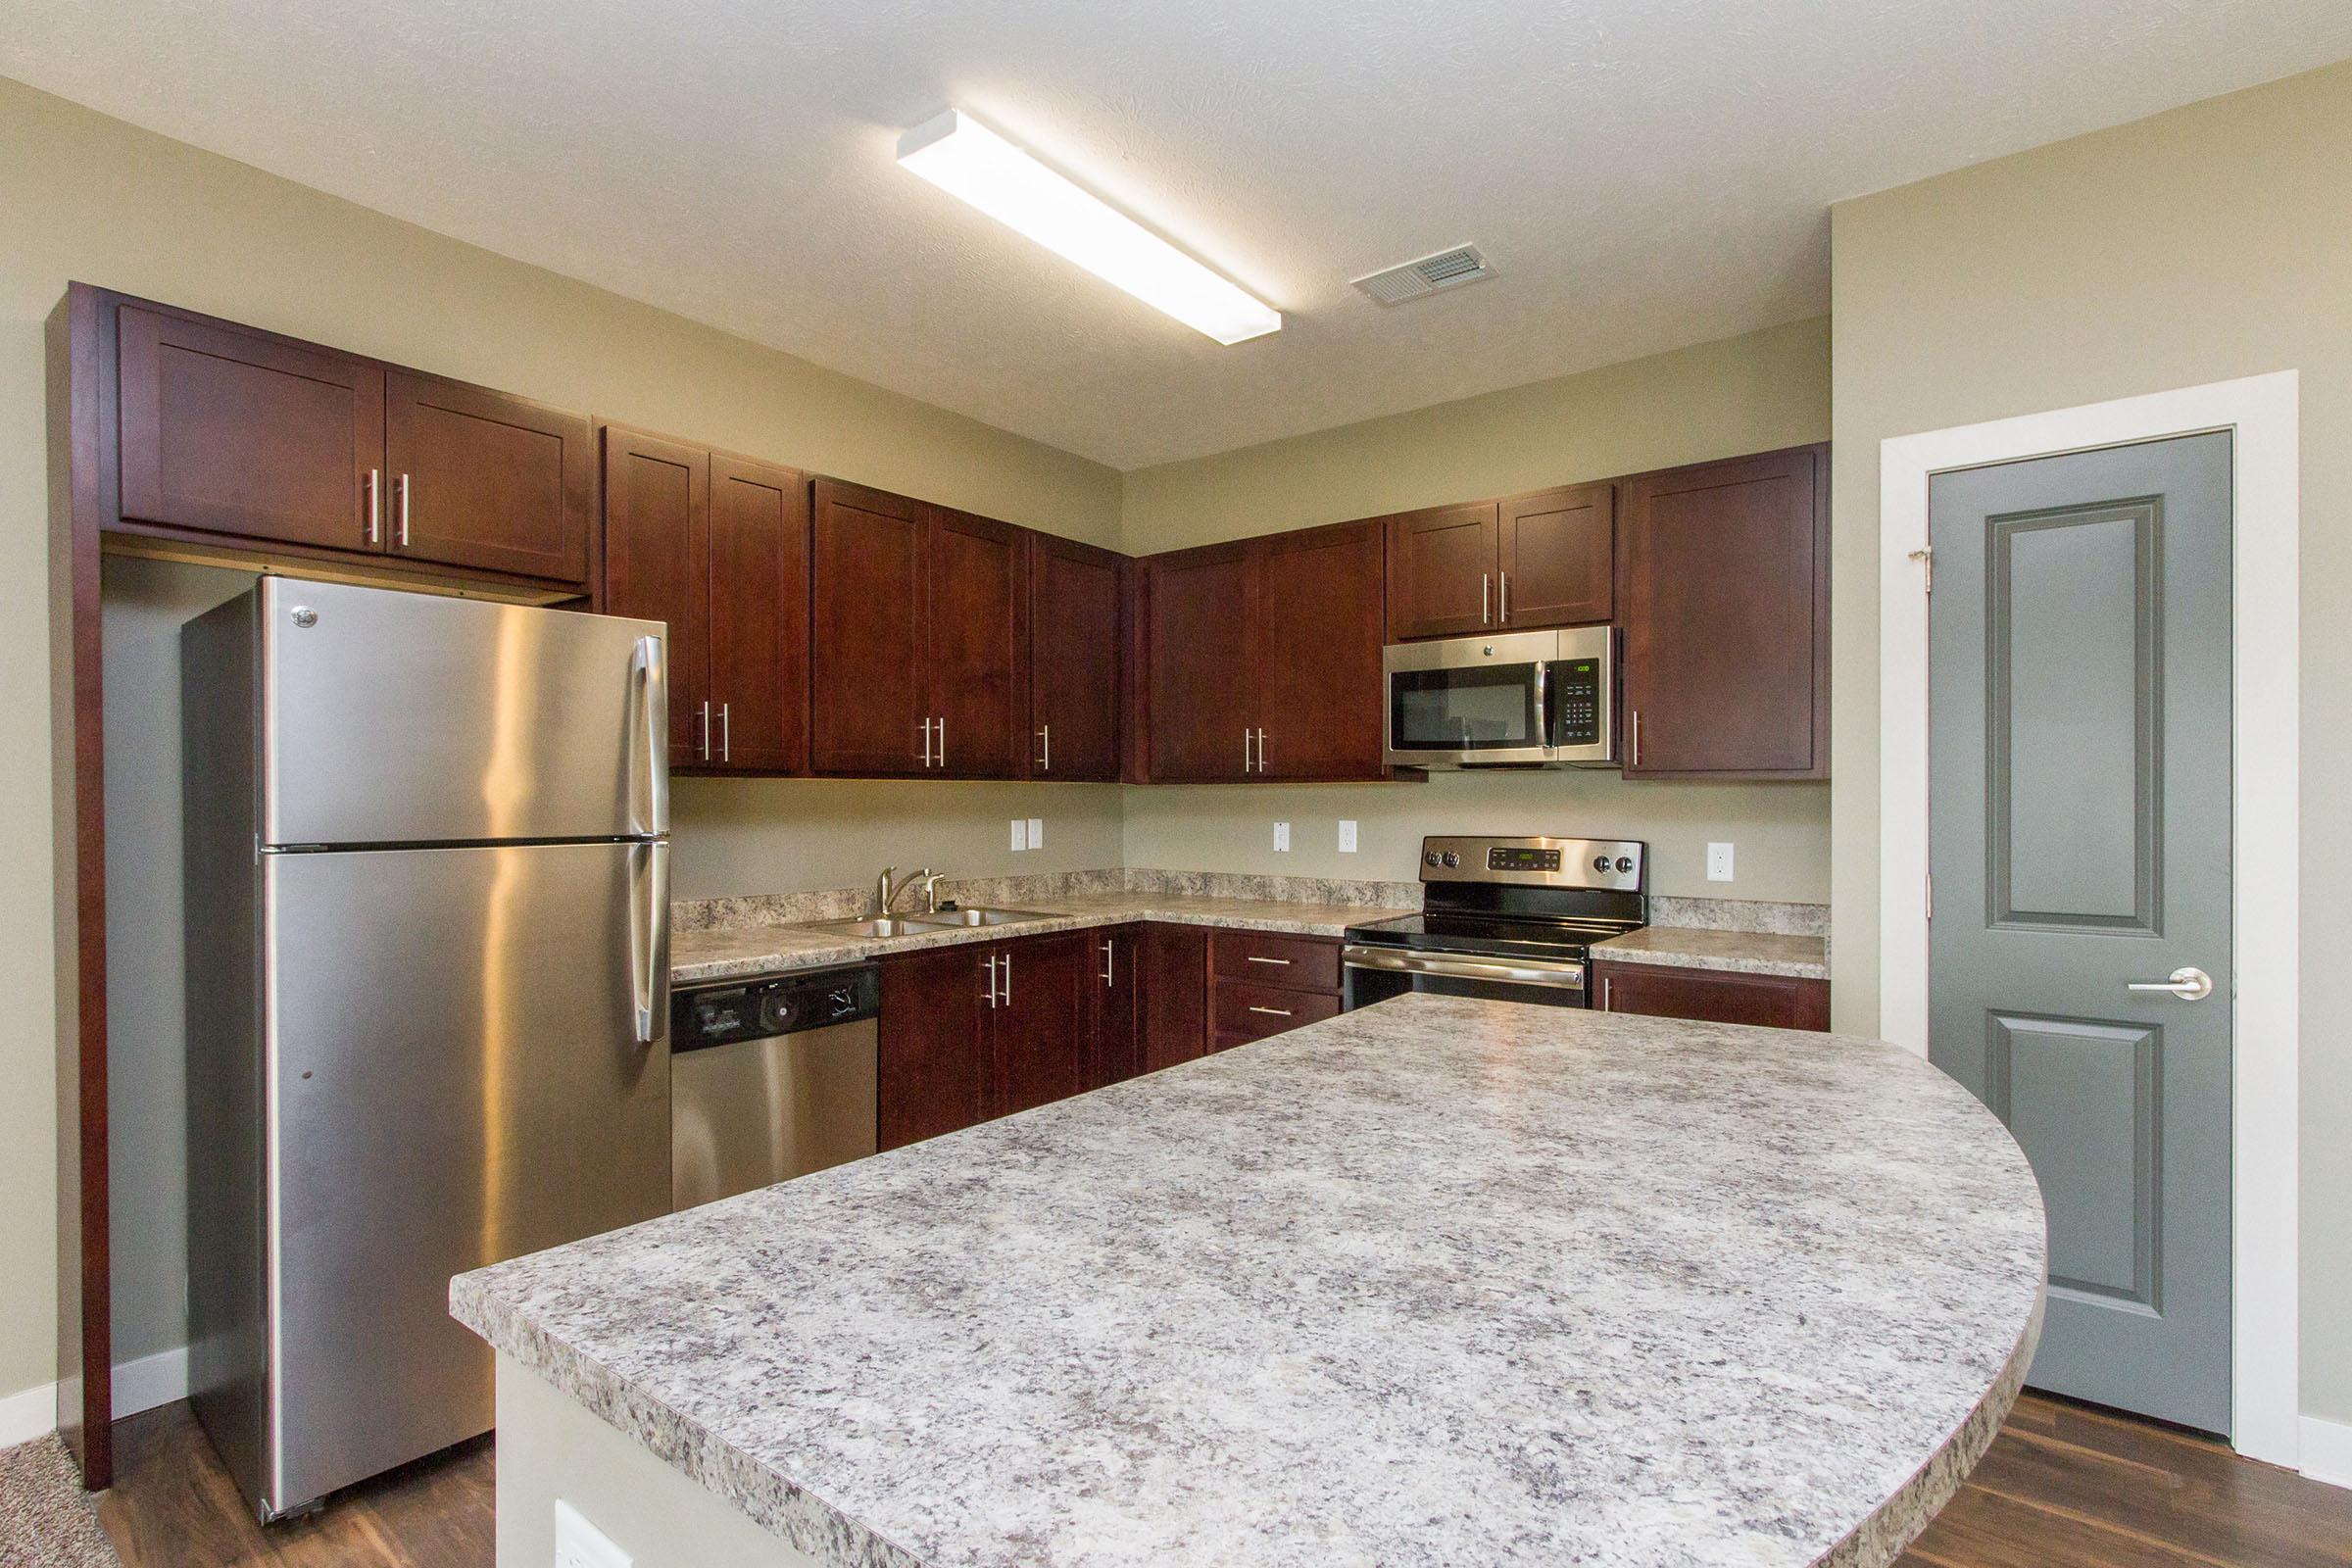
(759, 1009)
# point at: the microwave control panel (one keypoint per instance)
(1579, 696)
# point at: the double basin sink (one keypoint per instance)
(916, 925)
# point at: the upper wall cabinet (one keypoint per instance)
(918, 626)
(1263, 658)
(717, 547)
(1526, 562)
(260, 441)
(1724, 598)
(1076, 630)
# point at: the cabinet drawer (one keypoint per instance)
(1711, 995)
(1293, 963)
(1246, 1013)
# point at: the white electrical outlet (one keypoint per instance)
(1021, 833)
(1719, 863)
(1347, 836)
(1282, 835)
(580, 1545)
(1037, 832)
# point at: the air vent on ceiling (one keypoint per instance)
(1446, 270)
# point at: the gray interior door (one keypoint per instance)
(2080, 630)
(455, 1080)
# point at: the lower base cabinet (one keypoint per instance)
(1711, 995)
(1262, 984)
(1172, 1003)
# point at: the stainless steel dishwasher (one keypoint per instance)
(770, 1079)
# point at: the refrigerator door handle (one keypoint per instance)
(649, 780)
(649, 939)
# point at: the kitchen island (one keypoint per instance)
(1439, 1282)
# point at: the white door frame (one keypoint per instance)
(2265, 684)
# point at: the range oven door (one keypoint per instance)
(1471, 701)
(1375, 974)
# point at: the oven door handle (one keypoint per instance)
(1453, 966)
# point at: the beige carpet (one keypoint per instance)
(45, 1517)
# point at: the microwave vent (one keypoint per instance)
(1449, 268)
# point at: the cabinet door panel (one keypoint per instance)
(1174, 1009)
(1116, 963)
(1442, 569)
(870, 602)
(760, 614)
(1558, 558)
(1707, 995)
(933, 1069)
(240, 434)
(484, 479)
(1204, 663)
(1075, 629)
(1246, 1013)
(1319, 683)
(657, 563)
(1036, 1029)
(1724, 607)
(978, 627)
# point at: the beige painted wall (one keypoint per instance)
(93, 199)
(1744, 394)
(2211, 242)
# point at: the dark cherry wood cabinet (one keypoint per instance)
(1037, 1026)
(1114, 991)
(488, 480)
(1723, 593)
(918, 624)
(267, 442)
(933, 1065)
(1523, 564)
(977, 581)
(1173, 1009)
(717, 547)
(1555, 552)
(1264, 657)
(1264, 983)
(1442, 566)
(238, 432)
(1711, 995)
(1076, 632)
(870, 686)
(658, 564)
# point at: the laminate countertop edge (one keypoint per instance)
(1796, 958)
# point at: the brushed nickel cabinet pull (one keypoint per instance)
(1277, 1012)
(1282, 963)
(375, 505)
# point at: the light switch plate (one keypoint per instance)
(1021, 833)
(580, 1545)
(1347, 836)
(1719, 863)
(1037, 832)
(1282, 835)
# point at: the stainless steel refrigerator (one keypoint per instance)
(427, 998)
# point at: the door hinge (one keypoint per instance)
(1927, 558)
(1931, 895)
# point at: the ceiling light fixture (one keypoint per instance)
(966, 158)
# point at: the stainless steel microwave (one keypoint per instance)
(1529, 698)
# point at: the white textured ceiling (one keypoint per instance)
(1642, 173)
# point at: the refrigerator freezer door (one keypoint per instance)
(453, 1080)
(396, 717)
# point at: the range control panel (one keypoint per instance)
(1615, 865)
(721, 1015)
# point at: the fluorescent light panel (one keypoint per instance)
(966, 158)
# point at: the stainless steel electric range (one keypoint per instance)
(1508, 918)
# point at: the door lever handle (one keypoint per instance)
(2189, 985)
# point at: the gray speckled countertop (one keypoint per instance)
(1439, 1282)
(726, 952)
(1739, 951)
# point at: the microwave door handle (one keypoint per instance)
(1546, 732)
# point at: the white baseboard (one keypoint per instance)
(2328, 1450)
(150, 1381)
(27, 1415)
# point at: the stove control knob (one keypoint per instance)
(1452, 860)
(1601, 863)
(1431, 859)
(1624, 863)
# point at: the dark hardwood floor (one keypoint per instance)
(2065, 1486)
(173, 1506)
